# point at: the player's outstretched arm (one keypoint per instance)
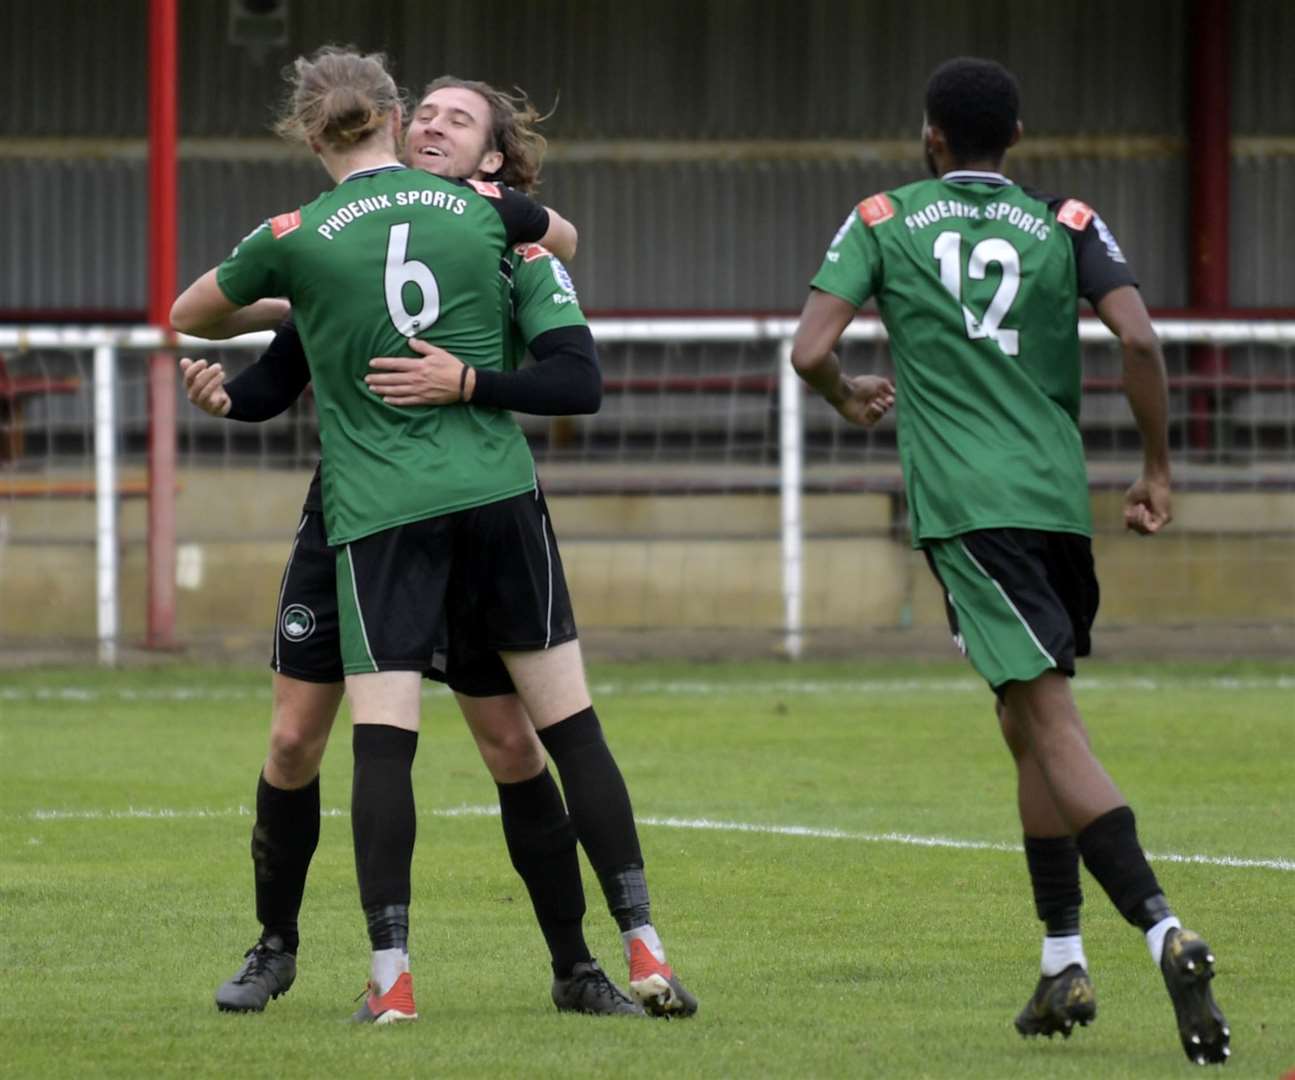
(562, 238)
(862, 400)
(204, 310)
(565, 381)
(1147, 504)
(261, 391)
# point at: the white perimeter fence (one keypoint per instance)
(107, 343)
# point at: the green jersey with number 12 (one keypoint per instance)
(977, 281)
(390, 254)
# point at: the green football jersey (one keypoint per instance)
(541, 297)
(977, 281)
(387, 255)
(538, 296)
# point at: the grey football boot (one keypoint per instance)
(588, 990)
(267, 972)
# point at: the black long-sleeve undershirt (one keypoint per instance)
(565, 380)
(275, 381)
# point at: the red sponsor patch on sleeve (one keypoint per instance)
(531, 252)
(285, 223)
(875, 209)
(1075, 215)
(490, 191)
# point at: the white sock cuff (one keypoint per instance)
(388, 965)
(1060, 952)
(648, 935)
(1156, 936)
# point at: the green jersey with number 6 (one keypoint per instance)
(390, 254)
(977, 281)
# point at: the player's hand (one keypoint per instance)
(1147, 505)
(864, 399)
(205, 386)
(434, 377)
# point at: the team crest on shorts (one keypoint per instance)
(298, 622)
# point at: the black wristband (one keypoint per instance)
(463, 382)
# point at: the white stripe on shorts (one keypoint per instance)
(1008, 600)
(355, 592)
(548, 562)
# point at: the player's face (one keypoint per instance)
(450, 134)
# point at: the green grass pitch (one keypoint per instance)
(824, 940)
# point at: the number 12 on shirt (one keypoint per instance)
(948, 253)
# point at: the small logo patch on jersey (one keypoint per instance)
(1075, 215)
(1108, 238)
(840, 233)
(875, 209)
(561, 276)
(285, 223)
(489, 190)
(531, 252)
(298, 622)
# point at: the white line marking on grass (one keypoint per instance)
(701, 824)
(679, 687)
(911, 840)
(142, 813)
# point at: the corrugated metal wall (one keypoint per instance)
(1263, 232)
(75, 234)
(669, 68)
(634, 69)
(654, 235)
(675, 236)
(1263, 89)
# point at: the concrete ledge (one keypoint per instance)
(704, 570)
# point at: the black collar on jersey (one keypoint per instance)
(972, 176)
(371, 172)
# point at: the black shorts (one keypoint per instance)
(463, 586)
(1019, 601)
(306, 638)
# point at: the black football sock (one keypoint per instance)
(542, 845)
(1054, 876)
(600, 810)
(626, 890)
(1114, 857)
(388, 926)
(284, 837)
(383, 824)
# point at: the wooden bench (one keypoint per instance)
(36, 487)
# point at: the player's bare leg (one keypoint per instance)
(504, 735)
(385, 715)
(284, 837)
(301, 721)
(1106, 835)
(552, 686)
(1064, 995)
(542, 846)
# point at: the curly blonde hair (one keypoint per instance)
(513, 120)
(338, 96)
